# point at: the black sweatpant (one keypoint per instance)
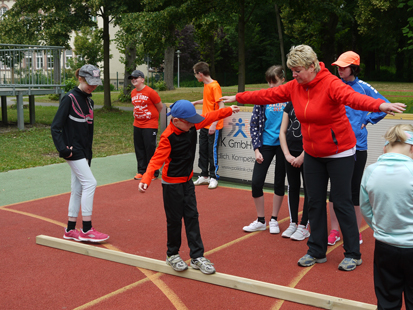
(180, 202)
(393, 275)
(144, 140)
(317, 171)
(360, 163)
(294, 187)
(208, 153)
(260, 171)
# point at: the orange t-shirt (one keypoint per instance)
(144, 110)
(212, 93)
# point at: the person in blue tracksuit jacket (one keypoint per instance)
(348, 68)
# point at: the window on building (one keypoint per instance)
(69, 56)
(49, 60)
(39, 60)
(3, 10)
(28, 61)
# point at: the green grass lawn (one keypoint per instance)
(113, 129)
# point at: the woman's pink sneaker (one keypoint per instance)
(71, 235)
(92, 235)
(333, 237)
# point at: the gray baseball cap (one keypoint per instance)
(136, 74)
(91, 74)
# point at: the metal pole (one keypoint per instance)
(178, 52)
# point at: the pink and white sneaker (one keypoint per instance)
(333, 237)
(71, 235)
(92, 235)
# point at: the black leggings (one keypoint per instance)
(144, 140)
(294, 186)
(317, 172)
(260, 171)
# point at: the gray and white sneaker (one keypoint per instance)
(203, 264)
(274, 227)
(300, 234)
(176, 262)
(202, 181)
(255, 226)
(290, 230)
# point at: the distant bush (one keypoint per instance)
(125, 98)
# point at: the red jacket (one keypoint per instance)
(319, 106)
(177, 150)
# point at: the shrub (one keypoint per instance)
(125, 98)
(160, 85)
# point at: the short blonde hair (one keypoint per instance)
(302, 56)
(396, 134)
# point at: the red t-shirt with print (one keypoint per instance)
(144, 110)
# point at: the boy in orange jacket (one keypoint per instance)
(176, 149)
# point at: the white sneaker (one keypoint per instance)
(213, 183)
(255, 226)
(202, 181)
(290, 230)
(301, 233)
(274, 228)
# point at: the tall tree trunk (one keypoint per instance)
(169, 67)
(280, 37)
(106, 70)
(130, 56)
(241, 46)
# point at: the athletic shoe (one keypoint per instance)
(176, 262)
(349, 264)
(255, 226)
(301, 233)
(138, 176)
(202, 181)
(289, 231)
(203, 264)
(308, 260)
(360, 238)
(274, 228)
(333, 237)
(71, 235)
(92, 235)
(213, 183)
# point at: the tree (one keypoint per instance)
(88, 46)
(408, 29)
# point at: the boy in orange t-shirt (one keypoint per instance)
(147, 106)
(208, 136)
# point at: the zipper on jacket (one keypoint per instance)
(305, 116)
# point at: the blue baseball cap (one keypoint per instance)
(185, 109)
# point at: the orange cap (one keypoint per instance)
(346, 59)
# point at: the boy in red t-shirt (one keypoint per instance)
(208, 136)
(147, 106)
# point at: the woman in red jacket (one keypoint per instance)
(319, 100)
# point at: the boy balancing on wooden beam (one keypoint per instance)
(176, 149)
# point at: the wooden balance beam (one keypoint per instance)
(234, 282)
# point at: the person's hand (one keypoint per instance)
(142, 187)
(212, 128)
(235, 109)
(226, 99)
(290, 158)
(258, 156)
(70, 148)
(390, 108)
(363, 125)
(298, 161)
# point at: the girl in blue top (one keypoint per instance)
(265, 129)
(386, 203)
(348, 68)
